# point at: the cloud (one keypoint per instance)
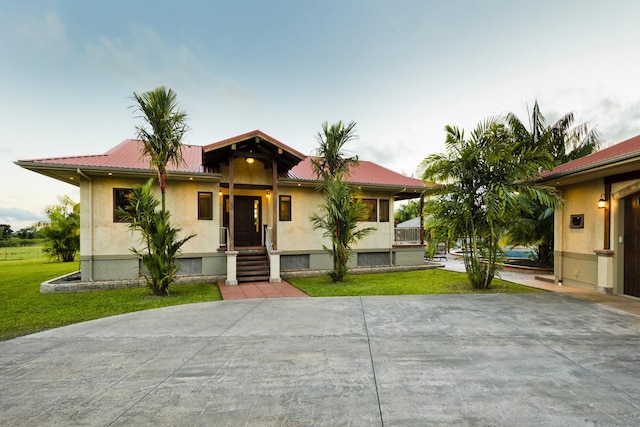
(13, 215)
(40, 34)
(143, 56)
(618, 120)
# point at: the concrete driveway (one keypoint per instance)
(519, 359)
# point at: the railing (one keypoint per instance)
(267, 239)
(407, 235)
(224, 237)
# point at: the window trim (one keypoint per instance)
(386, 216)
(209, 216)
(127, 191)
(287, 199)
(373, 213)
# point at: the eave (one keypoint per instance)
(629, 162)
(399, 193)
(70, 174)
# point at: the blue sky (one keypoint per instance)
(401, 69)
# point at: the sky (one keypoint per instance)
(400, 69)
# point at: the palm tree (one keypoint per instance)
(339, 216)
(332, 160)
(161, 240)
(340, 213)
(162, 136)
(481, 182)
(62, 230)
(565, 142)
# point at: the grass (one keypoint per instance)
(24, 310)
(419, 282)
(21, 252)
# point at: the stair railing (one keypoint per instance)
(267, 239)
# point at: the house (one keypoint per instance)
(597, 228)
(246, 198)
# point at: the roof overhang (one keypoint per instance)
(399, 193)
(617, 166)
(255, 144)
(71, 174)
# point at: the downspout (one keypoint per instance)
(90, 207)
(559, 241)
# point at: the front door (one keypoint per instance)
(632, 245)
(248, 221)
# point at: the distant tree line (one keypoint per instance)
(29, 236)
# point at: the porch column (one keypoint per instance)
(274, 203)
(274, 267)
(421, 209)
(605, 271)
(232, 243)
(232, 273)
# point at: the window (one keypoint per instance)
(121, 200)
(384, 210)
(372, 207)
(205, 205)
(285, 208)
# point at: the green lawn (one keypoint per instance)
(21, 252)
(417, 282)
(24, 310)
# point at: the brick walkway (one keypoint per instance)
(260, 290)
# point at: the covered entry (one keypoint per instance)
(632, 245)
(247, 220)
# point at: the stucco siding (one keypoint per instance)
(412, 255)
(581, 200)
(578, 269)
(116, 268)
(298, 234)
(109, 237)
(257, 172)
(182, 202)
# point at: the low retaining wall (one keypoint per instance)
(428, 265)
(64, 284)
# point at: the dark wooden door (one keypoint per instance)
(248, 221)
(632, 245)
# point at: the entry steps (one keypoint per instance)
(252, 265)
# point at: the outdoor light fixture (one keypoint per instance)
(602, 203)
(220, 193)
(250, 160)
(268, 193)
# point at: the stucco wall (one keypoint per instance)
(575, 261)
(298, 234)
(114, 238)
(105, 244)
(583, 200)
(245, 173)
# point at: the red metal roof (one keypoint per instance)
(126, 155)
(621, 151)
(366, 173)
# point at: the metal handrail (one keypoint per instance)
(267, 239)
(224, 237)
(407, 235)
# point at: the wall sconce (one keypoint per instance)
(602, 203)
(268, 194)
(220, 193)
